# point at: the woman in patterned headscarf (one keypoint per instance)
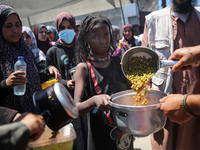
(13, 45)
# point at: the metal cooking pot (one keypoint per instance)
(56, 105)
(148, 53)
(137, 120)
(72, 72)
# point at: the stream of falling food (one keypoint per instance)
(54, 134)
(139, 70)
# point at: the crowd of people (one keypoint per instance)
(94, 46)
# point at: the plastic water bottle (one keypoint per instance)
(20, 65)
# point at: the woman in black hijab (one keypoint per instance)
(13, 45)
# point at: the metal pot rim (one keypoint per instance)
(133, 108)
(63, 99)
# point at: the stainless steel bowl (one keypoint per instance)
(137, 120)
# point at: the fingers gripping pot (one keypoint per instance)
(56, 105)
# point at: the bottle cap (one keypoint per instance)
(20, 57)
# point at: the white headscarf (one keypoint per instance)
(39, 55)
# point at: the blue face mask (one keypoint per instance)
(67, 35)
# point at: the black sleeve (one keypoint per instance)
(14, 136)
(4, 91)
(45, 75)
(50, 57)
(7, 115)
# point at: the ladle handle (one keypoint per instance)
(170, 63)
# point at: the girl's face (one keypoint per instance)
(99, 40)
(27, 38)
(42, 35)
(65, 25)
(128, 33)
(51, 36)
(12, 29)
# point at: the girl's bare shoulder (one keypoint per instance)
(81, 67)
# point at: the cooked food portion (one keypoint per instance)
(54, 134)
(139, 70)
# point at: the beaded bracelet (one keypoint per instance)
(184, 105)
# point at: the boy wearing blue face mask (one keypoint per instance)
(62, 56)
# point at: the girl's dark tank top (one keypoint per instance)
(110, 80)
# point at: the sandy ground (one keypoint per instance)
(142, 143)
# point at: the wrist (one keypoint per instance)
(193, 104)
(185, 105)
(195, 53)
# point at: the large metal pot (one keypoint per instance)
(56, 105)
(137, 120)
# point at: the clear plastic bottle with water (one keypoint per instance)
(20, 65)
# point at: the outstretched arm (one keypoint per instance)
(173, 109)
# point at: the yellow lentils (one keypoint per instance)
(139, 70)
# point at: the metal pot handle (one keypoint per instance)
(46, 114)
(122, 114)
(170, 63)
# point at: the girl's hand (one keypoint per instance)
(54, 70)
(101, 101)
(16, 78)
(71, 84)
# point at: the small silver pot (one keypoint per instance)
(148, 53)
(137, 120)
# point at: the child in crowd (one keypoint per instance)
(95, 43)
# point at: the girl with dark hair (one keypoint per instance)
(95, 43)
(128, 40)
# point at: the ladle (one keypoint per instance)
(148, 53)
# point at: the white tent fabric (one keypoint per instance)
(27, 8)
(33, 12)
